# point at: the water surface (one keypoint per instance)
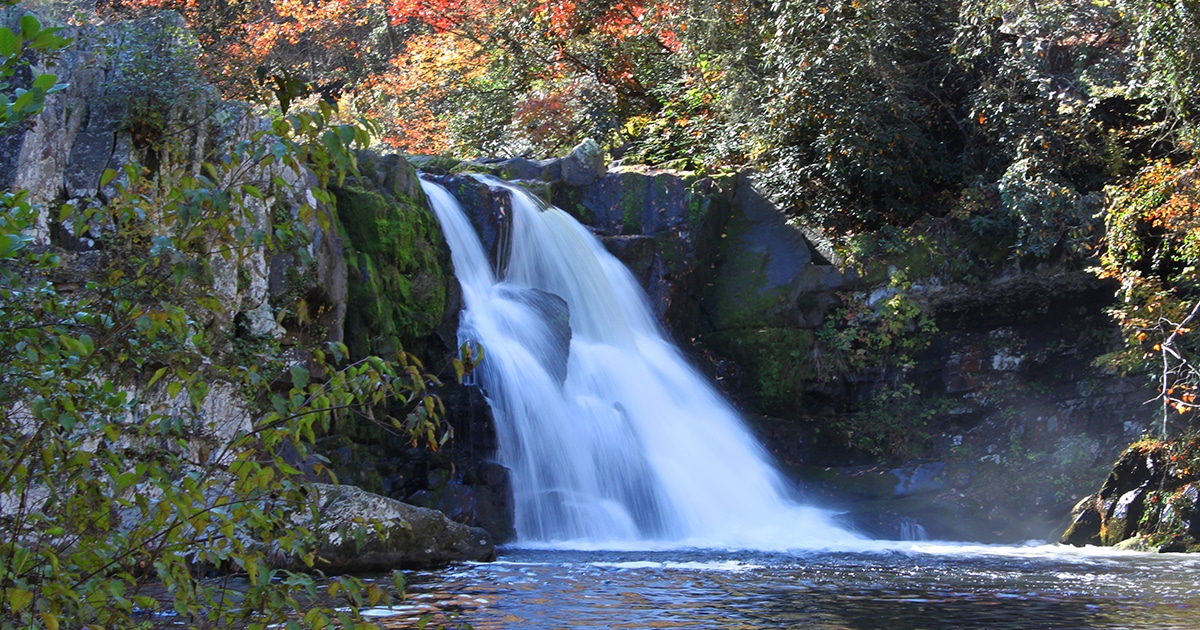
(898, 585)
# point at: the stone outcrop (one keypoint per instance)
(1150, 501)
(398, 263)
(360, 532)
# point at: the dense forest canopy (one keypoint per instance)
(859, 113)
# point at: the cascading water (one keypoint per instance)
(628, 445)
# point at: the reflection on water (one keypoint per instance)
(913, 585)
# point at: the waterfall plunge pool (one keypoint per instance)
(887, 585)
(611, 436)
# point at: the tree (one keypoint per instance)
(1151, 246)
(107, 483)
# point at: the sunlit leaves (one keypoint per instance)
(108, 372)
(1151, 246)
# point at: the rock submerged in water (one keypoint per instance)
(407, 536)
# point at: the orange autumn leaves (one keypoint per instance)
(409, 62)
(1152, 247)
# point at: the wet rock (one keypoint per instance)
(489, 209)
(407, 536)
(552, 343)
(1085, 524)
(637, 253)
(584, 165)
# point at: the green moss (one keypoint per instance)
(633, 202)
(397, 266)
(740, 295)
(570, 199)
(776, 363)
(697, 207)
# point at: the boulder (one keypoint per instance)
(1085, 524)
(359, 532)
(553, 342)
(584, 165)
(526, 169)
(1150, 501)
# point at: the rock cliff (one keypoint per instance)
(375, 277)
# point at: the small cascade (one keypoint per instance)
(612, 439)
(912, 529)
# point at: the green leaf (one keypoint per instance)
(18, 599)
(9, 44)
(157, 375)
(30, 26)
(299, 377)
(252, 190)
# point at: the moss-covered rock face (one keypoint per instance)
(765, 297)
(398, 266)
(775, 363)
(1150, 501)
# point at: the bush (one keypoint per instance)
(110, 477)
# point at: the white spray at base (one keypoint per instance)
(633, 448)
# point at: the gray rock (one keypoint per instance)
(584, 165)
(406, 537)
(522, 168)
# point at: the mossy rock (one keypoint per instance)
(360, 532)
(1152, 493)
(776, 364)
(398, 266)
(439, 164)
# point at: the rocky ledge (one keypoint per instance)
(1150, 501)
(360, 532)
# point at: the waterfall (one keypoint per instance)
(612, 439)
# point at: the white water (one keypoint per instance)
(634, 448)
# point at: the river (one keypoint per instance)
(886, 585)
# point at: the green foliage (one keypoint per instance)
(853, 109)
(886, 330)
(1167, 47)
(16, 48)
(893, 423)
(154, 73)
(112, 476)
(684, 121)
(1152, 245)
